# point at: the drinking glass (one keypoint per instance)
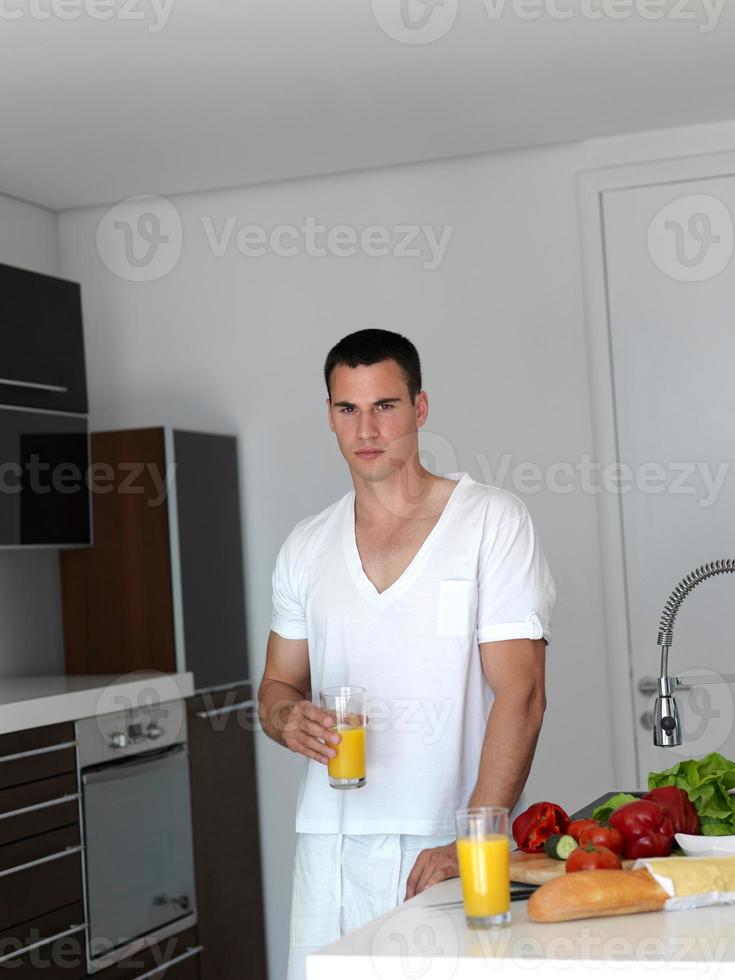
(346, 705)
(483, 852)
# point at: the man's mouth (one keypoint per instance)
(368, 453)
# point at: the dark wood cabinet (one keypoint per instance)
(41, 890)
(162, 587)
(42, 916)
(224, 804)
(42, 364)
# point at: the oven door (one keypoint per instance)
(139, 862)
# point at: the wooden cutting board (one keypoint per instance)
(535, 869)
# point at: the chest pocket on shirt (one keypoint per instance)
(457, 608)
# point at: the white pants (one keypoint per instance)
(340, 882)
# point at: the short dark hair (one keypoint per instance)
(372, 346)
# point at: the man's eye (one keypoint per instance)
(385, 405)
(343, 410)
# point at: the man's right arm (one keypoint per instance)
(286, 712)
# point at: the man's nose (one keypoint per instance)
(367, 427)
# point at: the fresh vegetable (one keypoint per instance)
(560, 846)
(646, 829)
(607, 837)
(532, 828)
(576, 827)
(603, 811)
(592, 859)
(707, 783)
(675, 802)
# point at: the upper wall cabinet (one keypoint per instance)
(42, 352)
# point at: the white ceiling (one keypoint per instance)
(230, 92)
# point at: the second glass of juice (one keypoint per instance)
(346, 705)
(483, 853)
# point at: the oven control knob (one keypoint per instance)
(119, 740)
(154, 731)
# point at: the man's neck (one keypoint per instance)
(408, 493)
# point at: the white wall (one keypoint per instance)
(237, 344)
(30, 604)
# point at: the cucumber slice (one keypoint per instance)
(560, 846)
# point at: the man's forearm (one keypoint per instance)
(507, 751)
(275, 700)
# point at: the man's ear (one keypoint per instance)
(329, 413)
(422, 408)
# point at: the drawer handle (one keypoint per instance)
(33, 752)
(44, 860)
(40, 806)
(32, 384)
(191, 951)
(216, 712)
(43, 942)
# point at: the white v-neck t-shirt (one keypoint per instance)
(479, 576)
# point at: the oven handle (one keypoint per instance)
(137, 765)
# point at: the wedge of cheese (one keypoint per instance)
(691, 882)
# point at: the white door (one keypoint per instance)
(671, 294)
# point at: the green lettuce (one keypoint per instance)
(707, 783)
(603, 811)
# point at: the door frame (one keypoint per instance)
(591, 185)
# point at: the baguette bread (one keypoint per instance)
(585, 894)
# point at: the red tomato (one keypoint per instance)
(591, 858)
(576, 827)
(607, 837)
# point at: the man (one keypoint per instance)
(434, 595)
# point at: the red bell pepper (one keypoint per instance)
(678, 806)
(646, 828)
(533, 827)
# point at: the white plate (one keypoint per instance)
(697, 845)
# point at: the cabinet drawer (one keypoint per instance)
(29, 823)
(35, 738)
(41, 846)
(57, 939)
(180, 951)
(43, 344)
(37, 807)
(33, 891)
(52, 761)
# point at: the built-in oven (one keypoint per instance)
(139, 867)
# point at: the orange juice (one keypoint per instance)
(349, 762)
(484, 868)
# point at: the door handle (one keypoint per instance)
(227, 709)
(36, 385)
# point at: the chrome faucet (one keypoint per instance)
(666, 723)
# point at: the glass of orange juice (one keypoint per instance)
(483, 853)
(347, 706)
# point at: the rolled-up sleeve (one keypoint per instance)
(289, 617)
(516, 591)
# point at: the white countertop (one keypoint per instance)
(436, 944)
(30, 702)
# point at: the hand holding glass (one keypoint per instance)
(346, 705)
(483, 853)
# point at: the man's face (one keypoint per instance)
(373, 418)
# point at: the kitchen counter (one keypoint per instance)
(30, 702)
(435, 944)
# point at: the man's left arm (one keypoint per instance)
(515, 671)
